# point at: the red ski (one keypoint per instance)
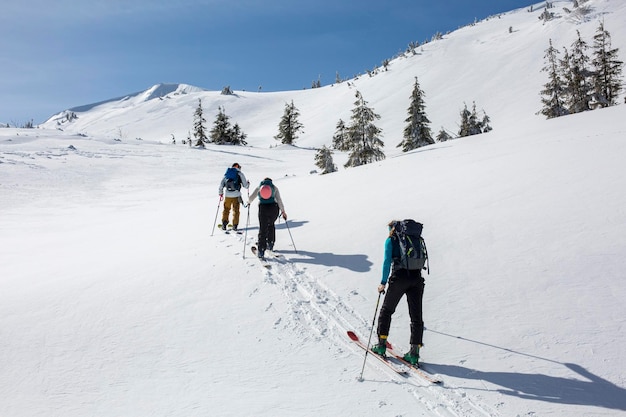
(383, 359)
(415, 368)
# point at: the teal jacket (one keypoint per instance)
(392, 250)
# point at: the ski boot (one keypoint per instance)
(413, 355)
(381, 347)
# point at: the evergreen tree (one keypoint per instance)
(324, 160)
(580, 89)
(340, 138)
(199, 131)
(363, 136)
(608, 69)
(484, 125)
(221, 131)
(567, 76)
(289, 126)
(470, 125)
(475, 128)
(464, 128)
(443, 136)
(417, 132)
(554, 91)
(237, 136)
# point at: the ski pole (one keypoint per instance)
(217, 213)
(245, 235)
(369, 340)
(292, 242)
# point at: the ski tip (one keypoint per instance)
(352, 335)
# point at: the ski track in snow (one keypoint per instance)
(317, 312)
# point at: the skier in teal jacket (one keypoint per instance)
(401, 282)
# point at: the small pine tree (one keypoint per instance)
(475, 127)
(289, 126)
(484, 124)
(237, 136)
(567, 76)
(470, 125)
(223, 133)
(340, 138)
(324, 160)
(546, 15)
(581, 86)
(220, 133)
(363, 136)
(199, 131)
(417, 132)
(465, 128)
(554, 91)
(608, 69)
(443, 136)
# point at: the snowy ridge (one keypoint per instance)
(508, 69)
(158, 91)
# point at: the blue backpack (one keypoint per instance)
(233, 182)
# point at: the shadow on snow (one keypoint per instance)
(353, 262)
(590, 389)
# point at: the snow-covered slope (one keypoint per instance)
(117, 298)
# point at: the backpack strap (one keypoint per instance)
(423, 242)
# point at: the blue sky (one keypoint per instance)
(66, 53)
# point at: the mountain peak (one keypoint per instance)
(163, 89)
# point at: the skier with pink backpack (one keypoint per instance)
(270, 206)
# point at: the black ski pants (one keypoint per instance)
(409, 283)
(268, 213)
